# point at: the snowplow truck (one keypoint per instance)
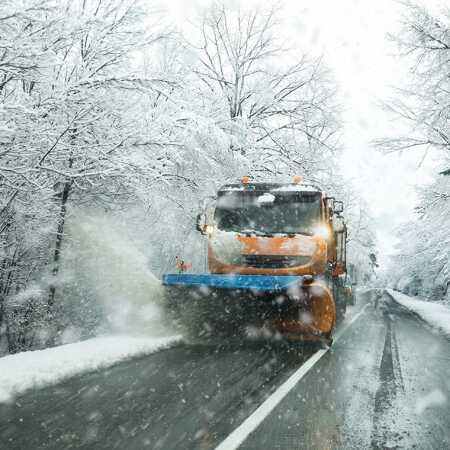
(276, 265)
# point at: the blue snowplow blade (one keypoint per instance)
(259, 283)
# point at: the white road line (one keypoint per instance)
(241, 433)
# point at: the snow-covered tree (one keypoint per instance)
(424, 42)
(422, 266)
(361, 244)
(279, 106)
(68, 128)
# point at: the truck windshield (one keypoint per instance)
(268, 213)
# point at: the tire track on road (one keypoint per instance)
(390, 385)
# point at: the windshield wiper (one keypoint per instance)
(255, 232)
(249, 232)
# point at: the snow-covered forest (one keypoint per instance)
(113, 124)
(422, 265)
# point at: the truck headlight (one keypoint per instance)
(322, 231)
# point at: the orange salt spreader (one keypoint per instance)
(276, 265)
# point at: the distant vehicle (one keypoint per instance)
(276, 260)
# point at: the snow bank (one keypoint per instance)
(438, 316)
(36, 369)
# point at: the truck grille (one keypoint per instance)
(275, 261)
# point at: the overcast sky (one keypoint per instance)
(352, 35)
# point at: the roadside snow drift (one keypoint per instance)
(438, 316)
(36, 369)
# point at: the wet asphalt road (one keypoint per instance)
(181, 398)
(381, 387)
(385, 384)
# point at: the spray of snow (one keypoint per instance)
(106, 263)
(118, 274)
(226, 247)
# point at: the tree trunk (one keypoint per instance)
(8, 266)
(59, 239)
(2, 306)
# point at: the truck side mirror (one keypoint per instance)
(201, 223)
